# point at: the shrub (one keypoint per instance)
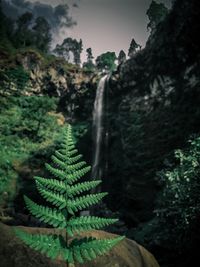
(179, 204)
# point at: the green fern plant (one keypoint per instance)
(67, 194)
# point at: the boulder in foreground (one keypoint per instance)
(14, 253)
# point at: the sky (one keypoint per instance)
(106, 25)
(110, 25)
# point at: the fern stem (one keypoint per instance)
(66, 237)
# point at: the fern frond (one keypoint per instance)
(86, 223)
(72, 152)
(46, 244)
(46, 214)
(60, 163)
(69, 141)
(55, 198)
(76, 175)
(69, 153)
(75, 159)
(70, 160)
(51, 184)
(68, 150)
(75, 167)
(91, 248)
(57, 173)
(61, 156)
(68, 167)
(63, 192)
(82, 187)
(84, 202)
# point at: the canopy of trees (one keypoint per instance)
(156, 13)
(68, 47)
(26, 31)
(106, 61)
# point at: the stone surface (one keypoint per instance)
(13, 253)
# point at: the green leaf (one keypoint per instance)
(76, 175)
(82, 187)
(90, 248)
(57, 199)
(65, 158)
(46, 214)
(46, 244)
(60, 163)
(84, 202)
(57, 173)
(86, 223)
(77, 166)
(52, 184)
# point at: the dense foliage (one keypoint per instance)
(27, 124)
(179, 204)
(177, 210)
(70, 49)
(156, 13)
(26, 31)
(14, 81)
(106, 61)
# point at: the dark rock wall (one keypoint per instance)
(153, 108)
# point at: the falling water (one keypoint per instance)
(98, 127)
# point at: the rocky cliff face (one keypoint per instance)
(154, 109)
(49, 75)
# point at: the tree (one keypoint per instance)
(24, 20)
(42, 35)
(2, 22)
(23, 35)
(133, 48)
(106, 61)
(66, 47)
(89, 54)
(6, 28)
(89, 64)
(65, 194)
(121, 57)
(156, 13)
(70, 45)
(35, 114)
(78, 48)
(59, 50)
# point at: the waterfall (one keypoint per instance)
(98, 127)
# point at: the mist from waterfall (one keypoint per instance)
(98, 127)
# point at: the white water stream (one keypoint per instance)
(98, 127)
